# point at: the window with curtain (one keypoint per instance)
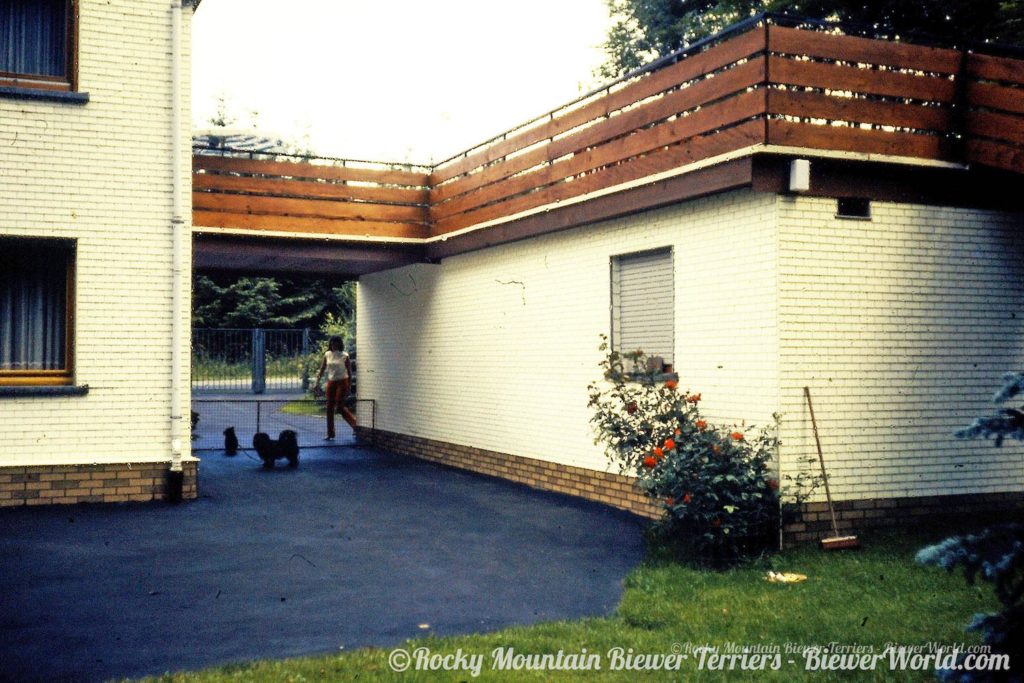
(643, 312)
(35, 307)
(36, 42)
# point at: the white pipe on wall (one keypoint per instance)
(177, 225)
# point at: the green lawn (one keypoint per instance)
(872, 596)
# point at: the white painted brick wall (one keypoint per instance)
(902, 327)
(495, 348)
(101, 173)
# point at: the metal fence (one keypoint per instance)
(255, 360)
(306, 417)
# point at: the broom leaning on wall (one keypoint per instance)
(835, 542)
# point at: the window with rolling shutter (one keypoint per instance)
(643, 311)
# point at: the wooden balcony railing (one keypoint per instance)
(235, 190)
(765, 86)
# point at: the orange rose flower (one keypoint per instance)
(693, 399)
(670, 501)
(678, 431)
(669, 444)
(737, 436)
(687, 499)
(650, 462)
(658, 453)
(702, 425)
(671, 384)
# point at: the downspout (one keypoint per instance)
(176, 478)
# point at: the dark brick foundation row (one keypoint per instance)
(106, 483)
(620, 491)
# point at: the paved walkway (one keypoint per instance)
(353, 548)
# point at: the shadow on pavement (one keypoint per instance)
(354, 548)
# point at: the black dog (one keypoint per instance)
(230, 442)
(269, 450)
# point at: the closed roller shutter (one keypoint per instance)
(642, 303)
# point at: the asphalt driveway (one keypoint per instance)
(354, 548)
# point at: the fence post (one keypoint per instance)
(259, 361)
(305, 352)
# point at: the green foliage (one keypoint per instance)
(646, 29)
(228, 301)
(714, 483)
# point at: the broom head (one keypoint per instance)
(839, 542)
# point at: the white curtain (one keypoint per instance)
(33, 37)
(33, 310)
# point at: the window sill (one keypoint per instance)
(643, 377)
(63, 96)
(55, 390)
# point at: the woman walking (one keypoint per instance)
(339, 381)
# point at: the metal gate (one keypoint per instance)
(250, 360)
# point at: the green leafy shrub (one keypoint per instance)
(715, 483)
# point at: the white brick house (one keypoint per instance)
(86, 239)
(900, 324)
(887, 278)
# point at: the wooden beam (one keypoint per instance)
(730, 175)
(297, 169)
(312, 208)
(308, 189)
(327, 226)
(805, 43)
(860, 80)
(276, 255)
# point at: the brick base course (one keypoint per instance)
(620, 491)
(106, 483)
(611, 489)
(853, 516)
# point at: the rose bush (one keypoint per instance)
(716, 484)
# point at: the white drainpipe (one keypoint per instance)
(177, 225)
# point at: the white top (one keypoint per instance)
(336, 365)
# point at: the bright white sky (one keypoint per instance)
(403, 80)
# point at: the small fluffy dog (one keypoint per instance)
(269, 450)
(230, 442)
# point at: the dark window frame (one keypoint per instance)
(68, 250)
(66, 83)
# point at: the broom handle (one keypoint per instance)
(821, 459)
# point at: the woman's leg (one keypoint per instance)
(331, 393)
(343, 391)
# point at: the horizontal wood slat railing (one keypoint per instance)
(233, 190)
(768, 84)
(995, 120)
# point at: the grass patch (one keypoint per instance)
(204, 368)
(873, 596)
(305, 406)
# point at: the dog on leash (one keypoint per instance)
(286, 446)
(230, 442)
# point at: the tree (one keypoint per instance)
(247, 301)
(646, 29)
(996, 555)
